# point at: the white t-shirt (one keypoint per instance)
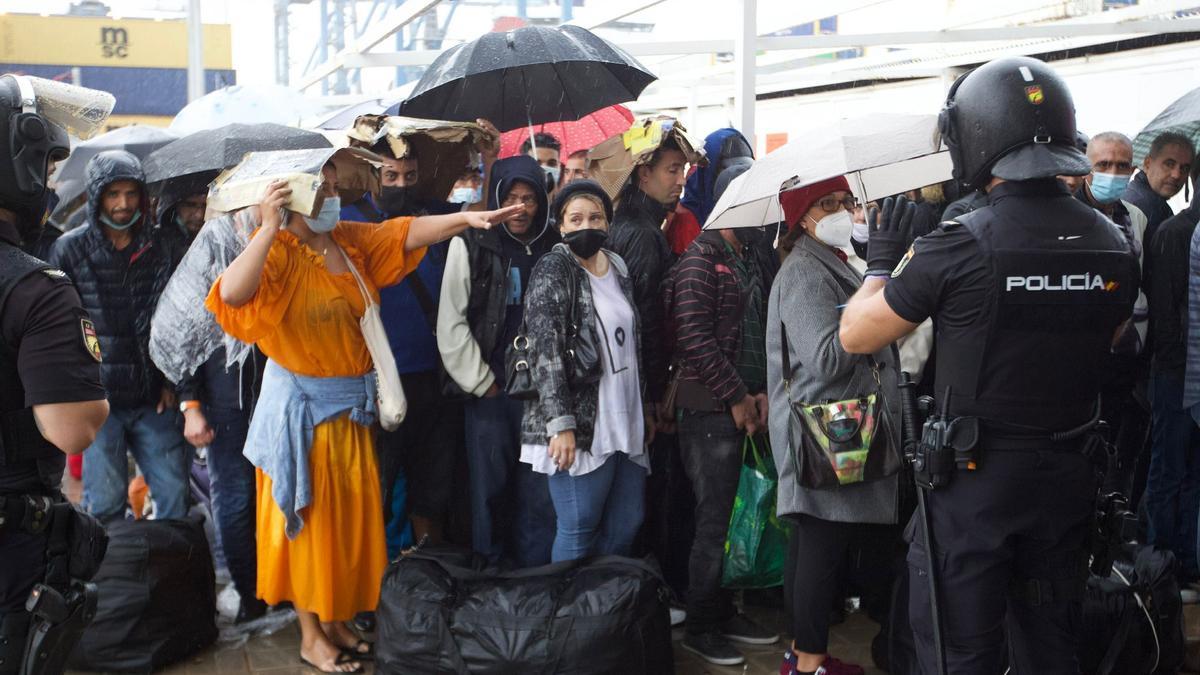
(619, 425)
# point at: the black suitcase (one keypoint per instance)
(1133, 620)
(157, 598)
(440, 611)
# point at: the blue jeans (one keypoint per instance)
(232, 485)
(511, 513)
(1173, 484)
(599, 513)
(158, 448)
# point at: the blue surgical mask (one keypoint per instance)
(1108, 187)
(327, 218)
(466, 195)
(119, 227)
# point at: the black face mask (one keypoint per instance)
(585, 243)
(750, 236)
(397, 201)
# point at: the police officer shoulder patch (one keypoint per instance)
(90, 341)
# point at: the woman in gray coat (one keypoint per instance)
(813, 284)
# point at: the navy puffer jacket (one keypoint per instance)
(120, 289)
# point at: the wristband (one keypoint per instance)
(185, 406)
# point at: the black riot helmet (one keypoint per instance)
(36, 116)
(1012, 118)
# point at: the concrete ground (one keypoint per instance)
(278, 654)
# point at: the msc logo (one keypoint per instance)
(114, 43)
(1067, 282)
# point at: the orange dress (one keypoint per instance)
(306, 319)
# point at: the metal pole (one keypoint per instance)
(323, 43)
(195, 64)
(743, 69)
(568, 8)
(340, 86)
(521, 9)
(282, 57)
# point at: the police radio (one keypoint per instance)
(947, 445)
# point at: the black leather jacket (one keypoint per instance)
(636, 235)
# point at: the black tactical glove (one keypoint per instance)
(890, 235)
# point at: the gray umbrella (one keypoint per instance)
(220, 148)
(1181, 117)
(139, 139)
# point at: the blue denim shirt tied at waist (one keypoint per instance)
(281, 432)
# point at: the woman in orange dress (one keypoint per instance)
(320, 526)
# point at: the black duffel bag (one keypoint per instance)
(441, 611)
(157, 598)
(1133, 620)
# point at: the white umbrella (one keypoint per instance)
(880, 155)
(245, 104)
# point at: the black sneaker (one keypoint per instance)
(743, 629)
(714, 648)
(251, 610)
(365, 622)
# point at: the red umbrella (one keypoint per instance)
(582, 134)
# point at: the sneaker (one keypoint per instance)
(788, 667)
(250, 611)
(834, 666)
(678, 616)
(365, 622)
(743, 629)
(714, 648)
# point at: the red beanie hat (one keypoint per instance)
(797, 202)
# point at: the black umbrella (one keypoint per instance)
(1181, 117)
(530, 75)
(220, 148)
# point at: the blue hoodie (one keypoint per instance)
(409, 333)
(698, 195)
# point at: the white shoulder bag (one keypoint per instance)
(392, 403)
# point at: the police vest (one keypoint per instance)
(20, 440)
(1054, 303)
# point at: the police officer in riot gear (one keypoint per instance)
(51, 400)
(1026, 295)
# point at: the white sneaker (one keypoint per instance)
(678, 616)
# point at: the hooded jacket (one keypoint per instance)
(723, 148)
(636, 235)
(483, 287)
(120, 289)
(174, 191)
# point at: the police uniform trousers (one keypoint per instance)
(1010, 540)
(22, 564)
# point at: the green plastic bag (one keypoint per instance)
(757, 541)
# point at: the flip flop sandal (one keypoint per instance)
(358, 655)
(342, 659)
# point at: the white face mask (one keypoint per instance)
(835, 229)
(327, 218)
(860, 232)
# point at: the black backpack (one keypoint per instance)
(157, 598)
(441, 611)
(1133, 620)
